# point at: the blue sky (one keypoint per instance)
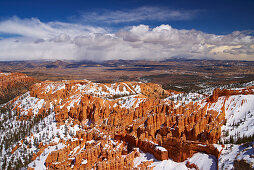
(132, 29)
(216, 16)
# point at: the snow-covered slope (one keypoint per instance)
(239, 128)
(240, 116)
(232, 153)
(201, 160)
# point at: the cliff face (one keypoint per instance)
(225, 92)
(104, 124)
(13, 84)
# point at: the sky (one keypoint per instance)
(132, 29)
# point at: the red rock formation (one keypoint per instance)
(152, 124)
(13, 84)
(191, 166)
(225, 92)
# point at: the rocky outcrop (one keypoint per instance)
(86, 153)
(191, 165)
(225, 92)
(14, 84)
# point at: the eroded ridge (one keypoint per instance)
(14, 84)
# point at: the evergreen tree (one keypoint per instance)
(9, 166)
(4, 163)
(231, 139)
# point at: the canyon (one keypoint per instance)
(85, 125)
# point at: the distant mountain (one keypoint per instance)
(54, 64)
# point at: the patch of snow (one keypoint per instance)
(160, 148)
(129, 101)
(239, 115)
(84, 161)
(143, 157)
(38, 164)
(5, 74)
(204, 161)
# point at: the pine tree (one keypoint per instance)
(65, 130)
(231, 139)
(4, 163)
(9, 166)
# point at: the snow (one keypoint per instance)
(129, 91)
(75, 149)
(91, 141)
(227, 157)
(54, 87)
(60, 87)
(110, 90)
(26, 102)
(143, 157)
(240, 112)
(160, 148)
(74, 100)
(129, 101)
(106, 147)
(129, 88)
(39, 162)
(186, 98)
(202, 160)
(138, 89)
(246, 153)
(169, 165)
(217, 105)
(116, 91)
(5, 74)
(236, 152)
(84, 161)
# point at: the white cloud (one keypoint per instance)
(58, 40)
(35, 28)
(139, 14)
